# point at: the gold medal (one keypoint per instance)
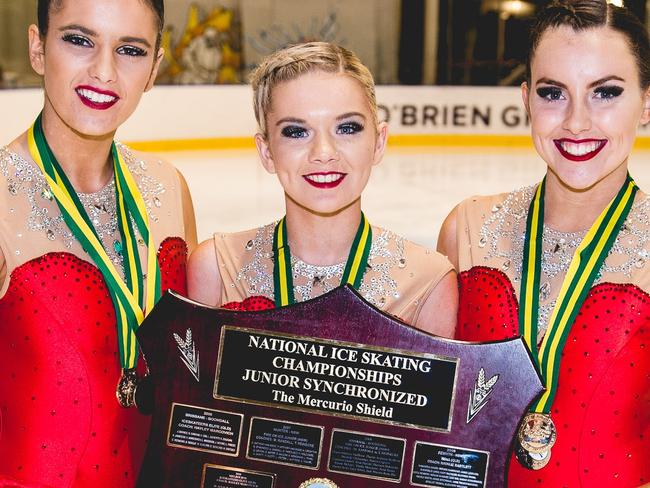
(126, 387)
(537, 432)
(318, 483)
(532, 460)
(535, 438)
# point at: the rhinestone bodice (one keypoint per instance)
(33, 223)
(311, 281)
(602, 404)
(494, 233)
(400, 274)
(61, 423)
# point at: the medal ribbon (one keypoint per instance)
(127, 296)
(355, 265)
(583, 270)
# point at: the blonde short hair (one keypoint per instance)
(296, 60)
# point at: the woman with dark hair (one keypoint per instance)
(565, 262)
(91, 233)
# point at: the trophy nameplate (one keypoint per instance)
(329, 393)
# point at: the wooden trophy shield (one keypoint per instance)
(326, 393)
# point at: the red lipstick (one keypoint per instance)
(327, 179)
(95, 98)
(579, 150)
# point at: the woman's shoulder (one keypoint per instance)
(233, 244)
(158, 180)
(14, 157)
(142, 161)
(245, 240)
(487, 202)
(478, 208)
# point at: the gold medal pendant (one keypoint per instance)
(126, 387)
(318, 483)
(535, 438)
(532, 460)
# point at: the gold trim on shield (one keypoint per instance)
(318, 482)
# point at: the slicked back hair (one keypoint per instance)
(589, 14)
(46, 6)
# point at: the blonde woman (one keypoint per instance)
(319, 133)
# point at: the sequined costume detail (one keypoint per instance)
(399, 278)
(25, 180)
(61, 423)
(602, 409)
(507, 219)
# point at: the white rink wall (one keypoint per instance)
(204, 112)
(411, 192)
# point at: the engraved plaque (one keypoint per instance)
(204, 429)
(448, 467)
(369, 456)
(285, 443)
(326, 393)
(335, 377)
(228, 477)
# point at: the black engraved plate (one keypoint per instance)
(441, 466)
(286, 443)
(336, 378)
(370, 456)
(204, 429)
(215, 476)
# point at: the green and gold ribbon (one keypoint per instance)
(583, 270)
(355, 265)
(130, 299)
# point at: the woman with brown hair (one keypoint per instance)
(565, 262)
(91, 233)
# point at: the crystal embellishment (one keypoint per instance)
(25, 179)
(544, 291)
(311, 281)
(502, 234)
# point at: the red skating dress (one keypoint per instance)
(61, 425)
(602, 408)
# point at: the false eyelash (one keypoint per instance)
(549, 92)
